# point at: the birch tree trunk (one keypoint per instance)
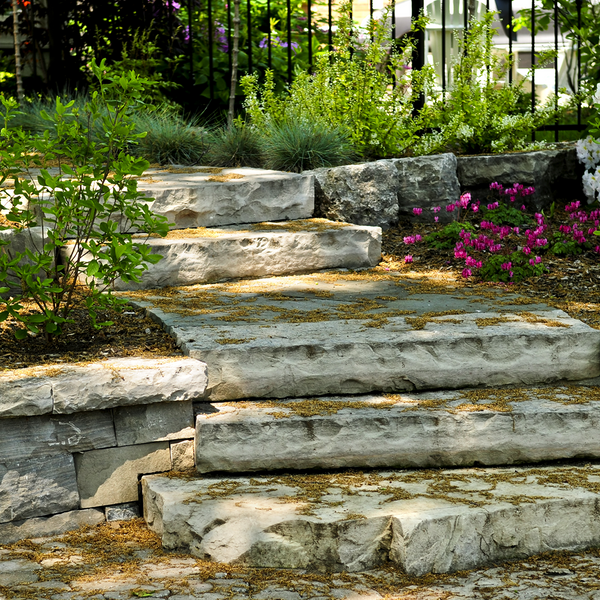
(20, 93)
(234, 61)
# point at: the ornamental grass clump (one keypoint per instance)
(85, 208)
(236, 146)
(170, 139)
(299, 144)
(499, 240)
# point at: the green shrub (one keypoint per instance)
(351, 89)
(481, 112)
(236, 146)
(88, 205)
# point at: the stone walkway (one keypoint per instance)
(122, 560)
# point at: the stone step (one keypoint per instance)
(215, 197)
(433, 429)
(193, 256)
(355, 333)
(428, 521)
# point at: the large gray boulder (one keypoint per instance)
(363, 194)
(555, 174)
(425, 182)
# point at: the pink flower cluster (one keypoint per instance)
(492, 239)
(412, 239)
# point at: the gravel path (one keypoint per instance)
(122, 560)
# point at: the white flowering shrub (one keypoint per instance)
(588, 153)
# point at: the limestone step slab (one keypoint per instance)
(203, 255)
(74, 388)
(428, 521)
(343, 333)
(432, 429)
(209, 197)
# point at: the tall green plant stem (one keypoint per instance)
(234, 61)
(20, 93)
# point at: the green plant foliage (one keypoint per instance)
(482, 112)
(560, 245)
(170, 139)
(236, 146)
(298, 144)
(89, 204)
(141, 55)
(446, 238)
(351, 88)
(262, 24)
(512, 267)
(583, 32)
(508, 215)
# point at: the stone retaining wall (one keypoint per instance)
(383, 192)
(74, 440)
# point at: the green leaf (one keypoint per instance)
(21, 334)
(93, 268)
(36, 319)
(51, 327)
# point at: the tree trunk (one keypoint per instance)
(234, 62)
(20, 93)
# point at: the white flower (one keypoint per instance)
(591, 185)
(596, 97)
(588, 152)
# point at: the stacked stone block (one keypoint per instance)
(75, 439)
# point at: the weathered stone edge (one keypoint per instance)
(118, 382)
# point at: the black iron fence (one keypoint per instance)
(194, 39)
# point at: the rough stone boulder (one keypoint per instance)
(554, 174)
(425, 182)
(363, 194)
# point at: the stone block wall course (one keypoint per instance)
(68, 448)
(385, 191)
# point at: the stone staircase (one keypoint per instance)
(355, 418)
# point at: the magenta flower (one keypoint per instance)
(466, 273)
(417, 211)
(408, 259)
